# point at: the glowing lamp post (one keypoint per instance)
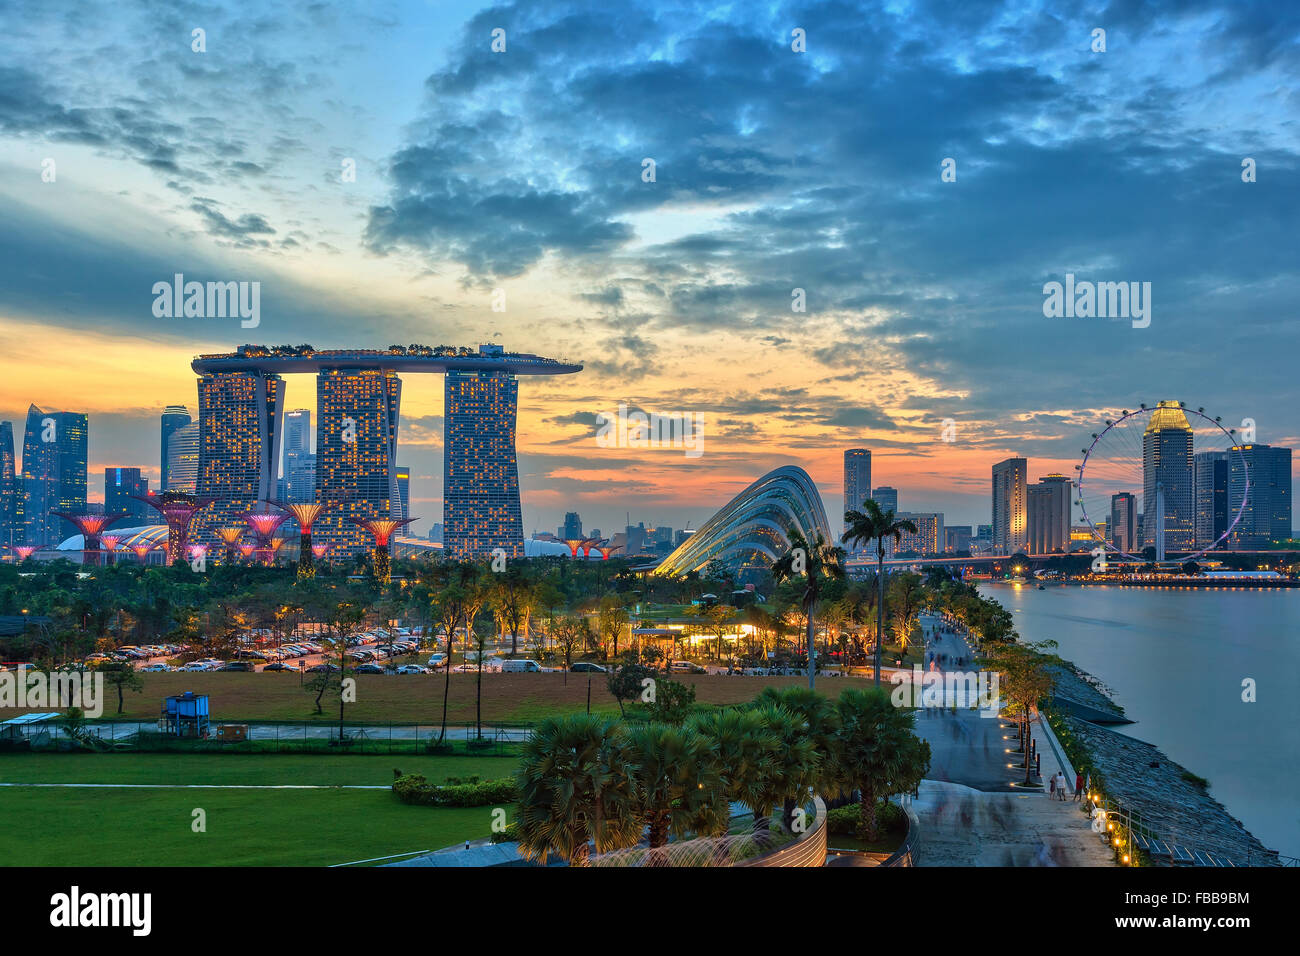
(382, 529)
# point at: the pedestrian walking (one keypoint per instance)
(1051, 793)
(1060, 789)
(1078, 787)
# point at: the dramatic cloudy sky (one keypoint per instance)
(775, 170)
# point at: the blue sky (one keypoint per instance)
(775, 170)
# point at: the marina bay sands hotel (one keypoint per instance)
(358, 399)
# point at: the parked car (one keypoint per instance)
(437, 660)
(369, 669)
(154, 668)
(521, 666)
(318, 668)
(685, 667)
(246, 666)
(278, 666)
(586, 667)
(412, 669)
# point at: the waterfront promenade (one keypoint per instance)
(970, 811)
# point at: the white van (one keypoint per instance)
(520, 666)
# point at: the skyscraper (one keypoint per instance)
(297, 456)
(1010, 521)
(174, 417)
(120, 484)
(357, 413)
(1047, 515)
(481, 509)
(54, 474)
(1167, 477)
(857, 478)
(1210, 477)
(929, 534)
(10, 533)
(1123, 526)
(239, 445)
(1266, 516)
(886, 497)
(183, 459)
(404, 489)
(572, 529)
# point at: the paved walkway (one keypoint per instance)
(970, 810)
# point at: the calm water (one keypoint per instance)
(1175, 660)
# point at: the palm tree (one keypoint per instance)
(872, 524)
(881, 754)
(815, 562)
(745, 748)
(821, 727)
(575, 787)
(677, 784)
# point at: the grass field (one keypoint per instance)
(410, 699)
(140, 827)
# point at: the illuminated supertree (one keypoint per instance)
(606, 550)
(305, 514)
(90, 526)
(142, 552)
(587, 545)
(264, 525)
(177, 509)
(382, 529)
(108, 544)
(574, 544)
(230, 538)
(24, 551)
(199, 553)
(318, 552)
(276, 545)
(247, 550)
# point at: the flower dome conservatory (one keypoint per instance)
(754, 528)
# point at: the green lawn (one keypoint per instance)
(141, 827)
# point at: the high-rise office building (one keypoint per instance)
(120, 484)
(10, 534)
(929, 534)
(1266, 516)
(636, 538)
(174, 417)
(299, 467)
(183, 459)
(1010, 520)
(886, 497)
(983, 540)
(54, 474)
(1123, 525)
(404, 489)
(957, 538)
(1167, 478)
(481, 509)
(572, 528)
(1210, 477)
(357, 414)
(1047, 515)
(240, 415)
(857, 478)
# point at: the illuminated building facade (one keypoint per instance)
(357, 414)
(404, 490)
(1167, 477)
(1210, 475)
(183, 459)
(1047, 515)
(54, 474)
(1010, 519)
(174, 417)
(9, 533)
(857, 479)
(121, 486)
(1266, 515)
(1123, 528)
(481, 510)
(240, 415)
(928, 537)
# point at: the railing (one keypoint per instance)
(1127, 832)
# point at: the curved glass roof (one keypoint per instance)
(755, 526)
(154, 534)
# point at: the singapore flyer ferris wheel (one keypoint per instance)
(1165, 479)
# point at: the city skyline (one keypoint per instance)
(913, 319)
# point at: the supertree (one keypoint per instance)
(142, 552)
(574, 544)
(90, 526)
(381, 529)
(177, 509)
(24, 551)
(230, 538)
(198, 552)
(108, 544)
(264, 525)
(587, 545)
(305, 514)
(606, 550)
(246, 550)
(318, 551)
